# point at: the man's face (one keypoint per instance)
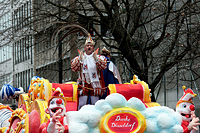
(89, 48)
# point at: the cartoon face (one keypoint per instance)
(185, 109)
(56, 104)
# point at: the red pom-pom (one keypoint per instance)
(192, 108)
(59, 101)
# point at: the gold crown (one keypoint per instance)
(89, 39)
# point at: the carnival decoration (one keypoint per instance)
(18, 121)
(5, 114)
(67, 29)
(56, 109)
(125, 112)
(33, 105)
(8, 92)
(185, 107)
(122, 111)
(36, 88)
(22, 122)
(89, 40)
(115, 114)
(135, 88)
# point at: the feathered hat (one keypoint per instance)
(57, 94)
(105, 51)
(89, 39)
(187, 97)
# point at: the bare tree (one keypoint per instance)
(152, 37)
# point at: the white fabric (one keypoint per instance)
(115, 72)
(51, 127)
(90, 71)
(82, 101)
(94, 99)
(91, 67)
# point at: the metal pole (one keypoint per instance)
(177, 82)
(177, 90)
(60, 62)
(164, 90)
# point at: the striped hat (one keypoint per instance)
(187, 97)
(57, 94)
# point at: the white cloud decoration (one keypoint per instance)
(158, 119)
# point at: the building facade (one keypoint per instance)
(23, 46)
(6, 53)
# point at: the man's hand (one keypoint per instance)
(56, 116)
(60, 127)
(95, 56)
(194, 123)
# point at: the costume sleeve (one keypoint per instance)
(66, 129)
(115, 71)
(186, 130)
(75, 64)
(50, 126)
(101, 62)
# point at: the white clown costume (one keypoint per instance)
(185, 106)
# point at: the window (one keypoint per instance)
(23, 50)
(22, 16)
(6, 53)
(23, 79)
(5, 21)
(15, 53)
(5, 79)
(15, 20)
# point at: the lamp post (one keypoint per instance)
(60, 61)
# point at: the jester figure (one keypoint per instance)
(56, 108)
(186, 108)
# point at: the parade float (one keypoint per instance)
(127, 109)
(53, 107)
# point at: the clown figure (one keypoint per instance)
(56, 108)
(186, 108)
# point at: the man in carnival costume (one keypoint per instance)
(89, 65)
(110, 74)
